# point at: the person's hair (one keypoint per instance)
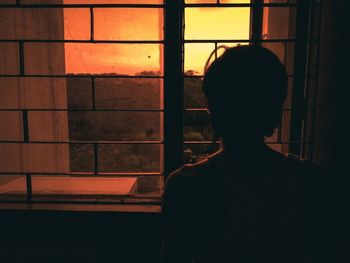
(245, 88)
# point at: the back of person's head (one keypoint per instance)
(245, 88)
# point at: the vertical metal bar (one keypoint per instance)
(300, 60)
(29, 187)
(92, 27)
(25, 126)
(256, 23)
(21, 58)
(173, 86)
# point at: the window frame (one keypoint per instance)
(173, 78)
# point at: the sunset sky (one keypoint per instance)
(144, 24)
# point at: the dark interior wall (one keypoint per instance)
(88, 237)
(331, 79)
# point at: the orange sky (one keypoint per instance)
(144, 24)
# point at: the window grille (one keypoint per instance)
(89, 114)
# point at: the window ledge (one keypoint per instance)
(118, 208)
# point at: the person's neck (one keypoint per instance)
(242, 148)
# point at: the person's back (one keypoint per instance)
(247, 203)
(221, 210)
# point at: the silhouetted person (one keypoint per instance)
(246, 203)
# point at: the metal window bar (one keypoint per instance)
(299, 109)
(173, 73)
(95, 144)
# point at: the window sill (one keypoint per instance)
(117, 208)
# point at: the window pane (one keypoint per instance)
(7, 1)
(32, 93)
(197, 126)
(76, 23)
(9, 62)
(48, 126)
(279, 22)
(215, 1)
(196, 55)
(12, 185)
(112, 59)
(44, 23)
(114, 126)
(128, 93)
(92, 1)
(129, 158)
(81, 157)
(11, 126)
(149, 185)
(128, 23)
(29, 157)
(217, 23)
(86, 58)
(79, 93)
(44, 58)
(194, 96)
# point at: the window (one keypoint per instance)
(100, 99)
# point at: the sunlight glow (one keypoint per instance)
(225, 23)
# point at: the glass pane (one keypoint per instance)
(7, 1)
(149, 186)
(285, 128)
(215, 1)
(129, 158)
(279, 1)
(112, 59)
(48, 126)
(11, 126)
(9, 62)
(279, 22)
(128, 23)
(12, 185)
(92, 1)
(114, 126)
(44, 23)
(217, 23)
(194, 96)
(33, 93)
(81, 157)
(196, 55)
(44, 58)
(196, 152)
(86, 58)
(235, 1)
(76, 23)
(29, 157)
(197, 126)
(128, 93)
(79, 93)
